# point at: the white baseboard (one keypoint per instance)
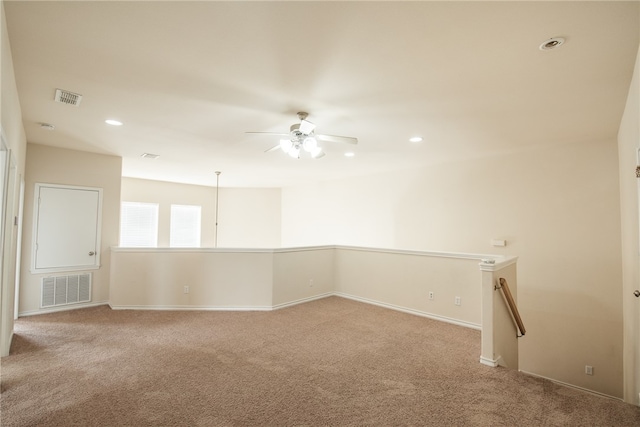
(66, 307)
(220, 308)
(586, 390)
(412, 311)
(302, 300)
(189, 308)
(259, 308)
(489, 362)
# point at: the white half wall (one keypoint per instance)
(300, 274)
(404, 280)
(156, 279)
(264, 279)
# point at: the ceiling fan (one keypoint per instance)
(302, 138)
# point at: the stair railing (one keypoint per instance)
(513, 309)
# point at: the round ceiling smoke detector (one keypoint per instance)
(552, 43)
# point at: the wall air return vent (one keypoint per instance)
(64, 290)
(66, 97)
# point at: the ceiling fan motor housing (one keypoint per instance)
(295, 130)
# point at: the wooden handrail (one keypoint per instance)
(512, 305)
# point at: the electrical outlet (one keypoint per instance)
(431, 295)
(588, 370)
(457, 301)
(186, 289)
(311, 283)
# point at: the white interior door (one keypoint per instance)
(67, 234)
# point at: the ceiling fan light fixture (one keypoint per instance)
(310, 144)
(302, 137)
(294, 151)
(306, 127)
(286, 145)
(317, 152)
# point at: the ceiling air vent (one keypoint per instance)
(149, 156)
(66, 97)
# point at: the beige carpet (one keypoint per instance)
(331, 362)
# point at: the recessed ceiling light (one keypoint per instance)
(113, 122)
(552, 43)
(349, 154)
(415, 139)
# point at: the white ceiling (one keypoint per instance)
(189, 78)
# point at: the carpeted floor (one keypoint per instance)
(331, 362)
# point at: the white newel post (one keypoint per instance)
(499, 346)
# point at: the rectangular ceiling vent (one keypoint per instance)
(66, 97)
(149, 156)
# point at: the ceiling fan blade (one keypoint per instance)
(272, 149)
(306, 127)
(319, 155)
(335, 138)
(269, 133)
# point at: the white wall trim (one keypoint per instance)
(304, 249)
(457, 255)
(65, 307)
(261, 308)
(220, 250)
(190, 308)
(302, 300)
(221, 308)
(189, 250)
(497, 264)
(596, 393)
(489, 362)
(500, 260)
(411, 311)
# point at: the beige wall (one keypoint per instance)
(302, 274)
(628, 144)
(14, 137)
(558, 207)
(404, 280)
(68, 167)
(10, 111)
(247, 218)
(155, 279)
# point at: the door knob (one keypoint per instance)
(92, 253)
(636, 293)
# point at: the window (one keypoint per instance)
(185, 226)
(139, 225)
